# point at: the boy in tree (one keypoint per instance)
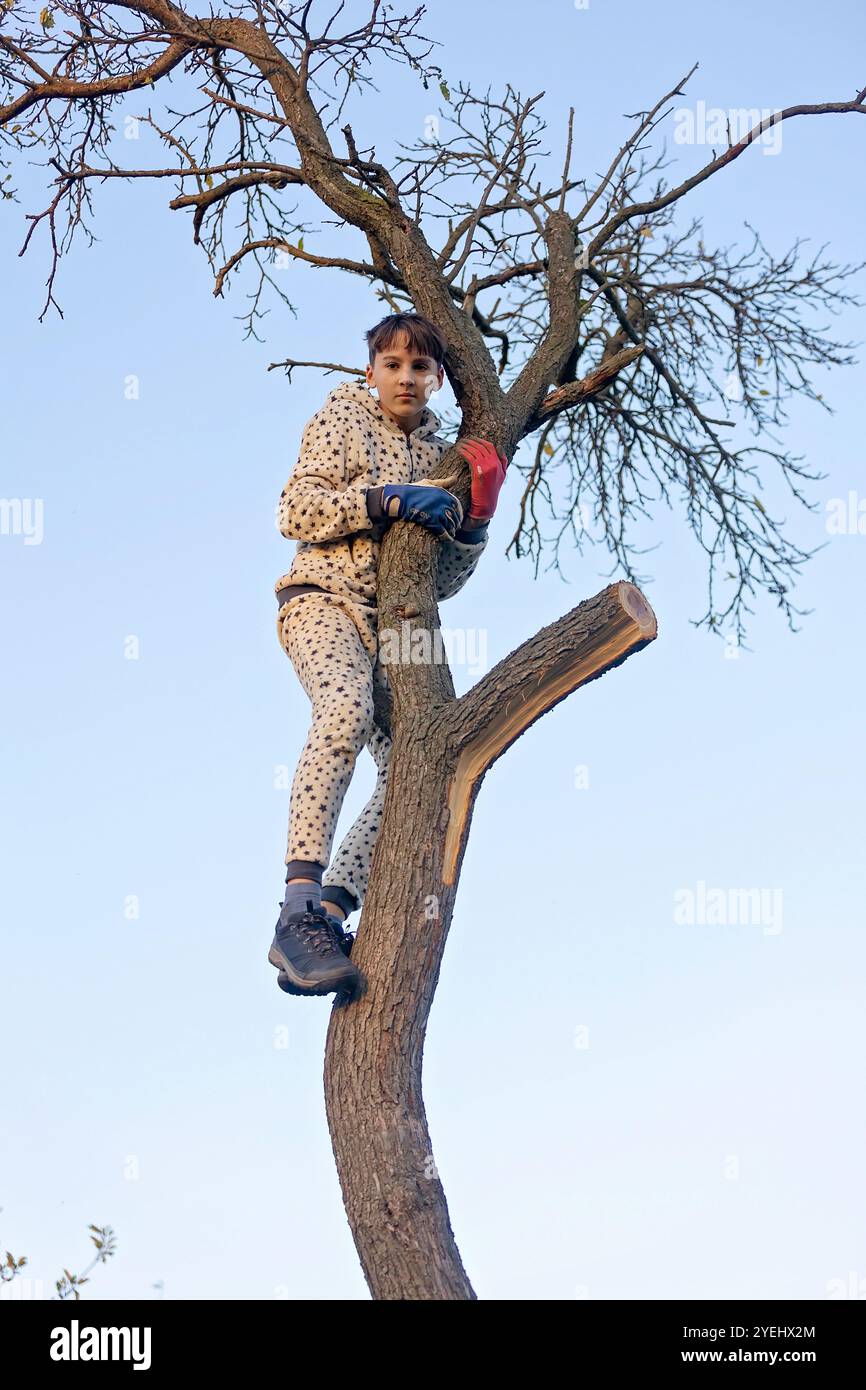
(363, 464)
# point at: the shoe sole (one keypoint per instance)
(289, 980)
(342, 996)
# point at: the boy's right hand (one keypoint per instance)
(434, 507)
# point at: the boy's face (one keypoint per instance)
(405, 382)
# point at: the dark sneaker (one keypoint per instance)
(311, 953)
(346, 940)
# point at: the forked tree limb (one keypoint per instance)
(581, 646)
(395, 1201)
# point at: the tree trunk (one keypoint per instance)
(442, 748)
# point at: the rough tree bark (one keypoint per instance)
(443, 746)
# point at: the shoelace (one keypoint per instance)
(320, 933)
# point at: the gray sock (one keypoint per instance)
(297, 894)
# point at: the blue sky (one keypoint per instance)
(622, 1104)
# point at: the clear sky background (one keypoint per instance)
(621, 1105)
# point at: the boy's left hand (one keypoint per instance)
(488, 469)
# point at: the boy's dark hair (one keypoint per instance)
(423, 336)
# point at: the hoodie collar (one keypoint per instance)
(359, 393)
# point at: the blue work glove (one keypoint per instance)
(434, 507)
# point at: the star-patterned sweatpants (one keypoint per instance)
(337, 668)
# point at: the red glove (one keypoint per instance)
(488, 474)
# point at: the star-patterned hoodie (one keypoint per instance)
(348, 449)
